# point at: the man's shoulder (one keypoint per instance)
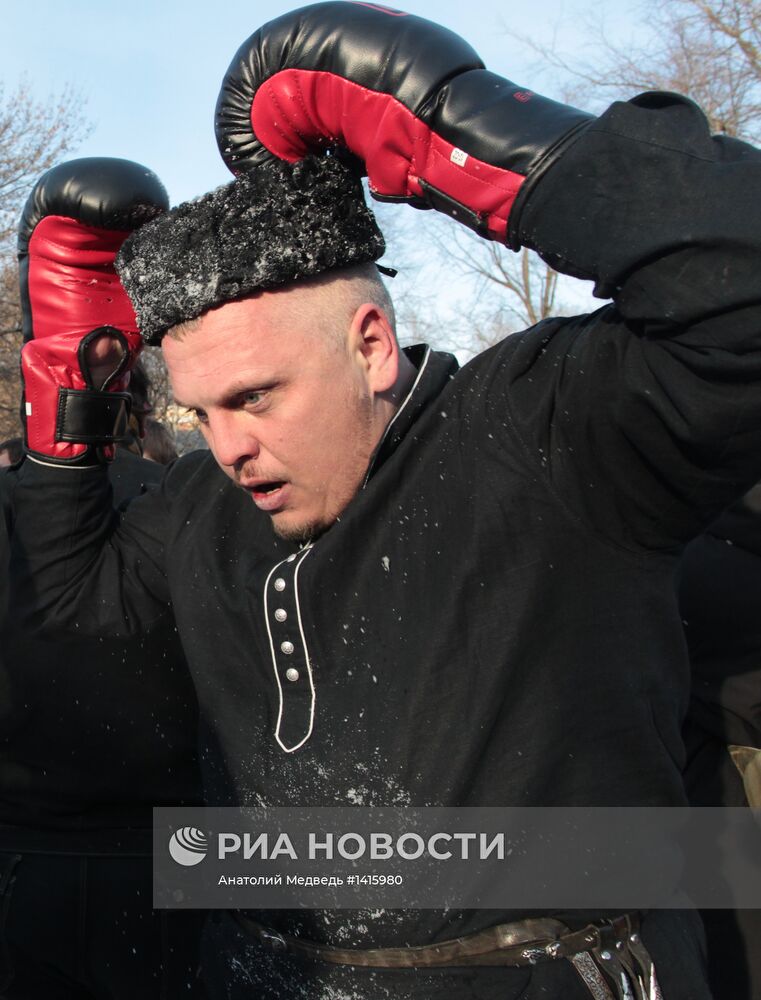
(521, 354)
(187, 478)
(197, 467)
(561, 328)
(131, 474)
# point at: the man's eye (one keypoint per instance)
(200, 416)
(252, 397)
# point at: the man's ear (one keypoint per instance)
(373, 341)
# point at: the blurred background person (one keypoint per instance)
(159, 443)
(11, 451)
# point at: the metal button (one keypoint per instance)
(292, 674)
(287, 647)
(279, 583)
(280, 614)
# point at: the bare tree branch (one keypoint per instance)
(34, 136)
(512, 291)
(707, 49)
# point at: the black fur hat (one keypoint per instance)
(275, 224)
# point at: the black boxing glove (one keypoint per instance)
(408, 98)
(73, 224)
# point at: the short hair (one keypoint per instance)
(15, 448)
(140, 386)
(159, 443)
(342, 290)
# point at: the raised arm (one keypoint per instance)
(76, 561)
(645, 418)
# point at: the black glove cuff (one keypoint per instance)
(90, 417)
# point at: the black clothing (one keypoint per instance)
(82, 928)
(719, 594)
(388, 636)
(719, 591)
(492, 619)
(94, 733)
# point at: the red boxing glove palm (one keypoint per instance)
(408, 98)
(74, 222)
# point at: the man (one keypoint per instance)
(467, 597)
(93, 734)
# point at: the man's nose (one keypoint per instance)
(233, 439)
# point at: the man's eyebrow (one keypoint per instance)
(232, 392)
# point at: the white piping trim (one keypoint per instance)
(55, 465)
(272, 648)
(395, 417)
(277, 566)
(306, 653)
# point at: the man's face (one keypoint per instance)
(286, 406)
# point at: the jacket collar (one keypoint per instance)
(434, 370)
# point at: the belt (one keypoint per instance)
(608, 955)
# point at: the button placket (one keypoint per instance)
(290, 657)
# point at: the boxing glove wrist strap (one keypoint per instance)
(87, 416)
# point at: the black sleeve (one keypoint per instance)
(5, 533)
(645, 417)
(76, 562)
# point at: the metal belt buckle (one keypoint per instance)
(274, 941)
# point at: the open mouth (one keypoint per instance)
(269, 496)
(264, 489)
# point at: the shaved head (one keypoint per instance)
(324, 302)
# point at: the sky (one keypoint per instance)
(148, 71)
